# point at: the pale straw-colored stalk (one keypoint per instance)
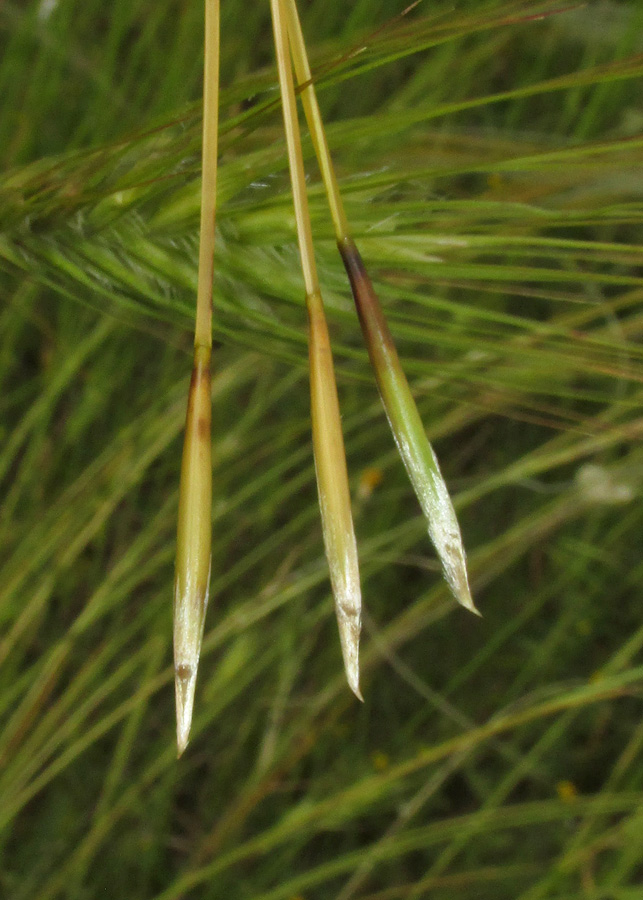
(416, 451)
(194, 534)
(328, 443)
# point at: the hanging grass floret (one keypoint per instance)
(194, 534)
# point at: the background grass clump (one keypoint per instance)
(491, 164)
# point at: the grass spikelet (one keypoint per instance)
(417, 453)
(194, 535)
(193, 550)
(334, 496)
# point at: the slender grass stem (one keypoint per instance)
(416, 451)
(194, 533)
(328, 443)
(314, 119)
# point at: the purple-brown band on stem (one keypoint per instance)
(379, 339)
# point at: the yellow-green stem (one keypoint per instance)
(293, 142)
(314, 119)
(203, 327)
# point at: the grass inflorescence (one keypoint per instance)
(489, 163)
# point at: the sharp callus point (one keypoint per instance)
(184, 685)
(193, 551)
(444, 530)
(408, 430)
(349, 620)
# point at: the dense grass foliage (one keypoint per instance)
(491, 166)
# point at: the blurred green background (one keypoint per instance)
(491, 163)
